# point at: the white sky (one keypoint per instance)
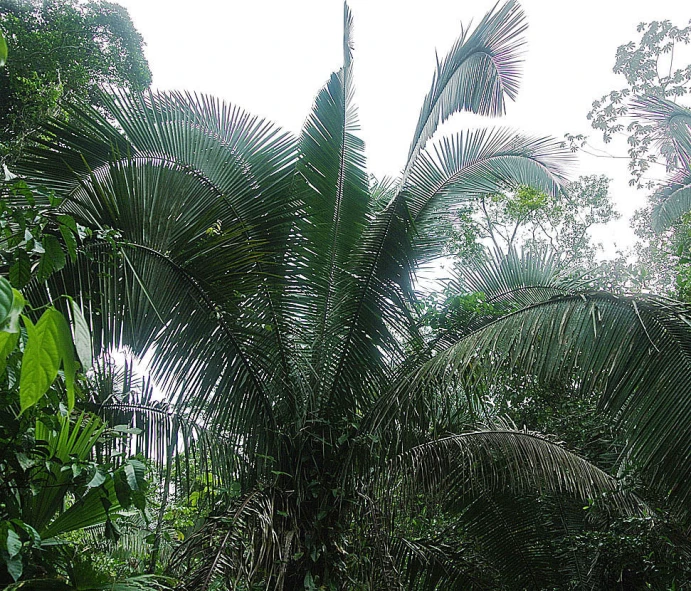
(272, 56)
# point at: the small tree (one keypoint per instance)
(533, 220)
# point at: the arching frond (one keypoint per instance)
(673, 123)
(635, 353)
(477, 482)
(672, 201)
(245, 546)
(406, 232)
(451, 470)
(478, 73)
(474, 164)
(505, 282)
(516, 279)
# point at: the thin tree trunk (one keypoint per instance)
(164, 499)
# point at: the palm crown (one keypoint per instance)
(269, 282)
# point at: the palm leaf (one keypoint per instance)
(506, 282)
(672, 201)
(406, 232)
(451, 470)
(479, 71)
(672, 123)
(477, 481)
(473, 164)
(244, 546)
(635, 353)
(334, 186)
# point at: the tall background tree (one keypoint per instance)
(656, 71)
(62, 50)
(528, 219)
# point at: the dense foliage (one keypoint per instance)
(528, 219)
(62, 50)
(309, 428)
(648, 113)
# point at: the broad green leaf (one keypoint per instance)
(66, 349)
(20, 270)
(98, 479)
(136, 478)
(131, 476)
(15, 567)
(14, 543)
(3, 50)
(33, 534)
(6, 298)
(41, 359)
(70, 242)
(52, 259)
(92, 509)
(25, 462)
(127, 430)
(82, 336)
(8, 341)
(12, 322)
(123, 490)
(68, 220)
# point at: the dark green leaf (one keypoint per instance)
(52, 259)
(6, 299)
(15, 567)
(131, 476)
(98, 479)
(8, 341)
(68, 221)
(14, 543)
(70, 241)
(82, 336)
(66, 349)
(20, 269)
(3, 50)
(12, 322)
(123, 491)
(25, 462)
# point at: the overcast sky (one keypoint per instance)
(272, 56)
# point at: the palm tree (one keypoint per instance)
(671, 124)
(269, 284)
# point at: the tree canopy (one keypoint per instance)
(62, 50)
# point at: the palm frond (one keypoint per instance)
(504, 282)
(448, 472)
(164, 433)
(635, 353)
(334, 186)
(523, 537)
(140, 299)
(244, 546)
(474, 164)
(478, 73)
(672, 201)
(439, 563)
(673, 125)
(477, 482)
(406, 232)
(189, 191)
(517, 279)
